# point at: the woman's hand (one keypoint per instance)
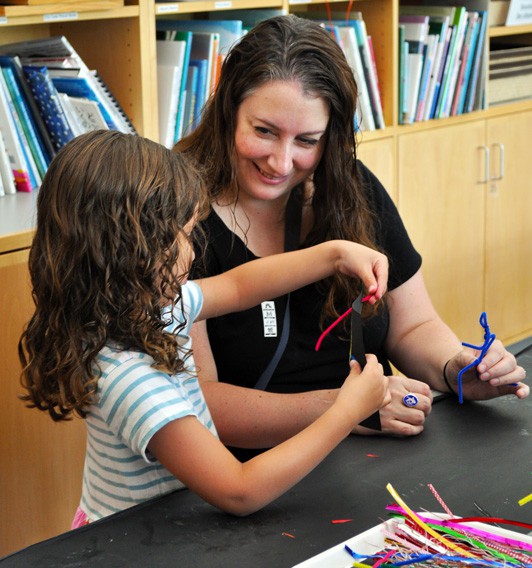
(496, 375)
(397, 419)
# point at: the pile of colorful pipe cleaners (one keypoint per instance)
(444, 540)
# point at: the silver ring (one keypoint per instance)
(410, 399)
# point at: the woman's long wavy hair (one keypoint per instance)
(289, 48)
(102, 263)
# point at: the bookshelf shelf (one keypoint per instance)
(500, 31)
(73, 15)
(214, 5)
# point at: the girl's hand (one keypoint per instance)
(496, 375)
(367, 264)
(364, 392)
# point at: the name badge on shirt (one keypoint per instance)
(269, 319)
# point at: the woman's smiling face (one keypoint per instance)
(279, 139)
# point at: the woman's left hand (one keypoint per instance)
(496, 375)
(397, 419)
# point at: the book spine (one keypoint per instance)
(35, 178)
(43, 136)
(452, 57)
(443, 64)
(405, 82)
(168, 78)
(467, 71)
(415, 65)
(456, 89)
(401, 67)
(367, 64)
(47, 100)
(13, 146)
(364, 113)
(181, 102)
(432, 45)
(434, 77)
(26, 121)
(200, 98)
(192, 94)
(5, 168)
(477, 61)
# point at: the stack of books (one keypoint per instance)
(442, 61)
(510, 75)
(190, 54)
(189, 57)
(47, 97)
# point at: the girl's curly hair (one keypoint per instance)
(110, 218)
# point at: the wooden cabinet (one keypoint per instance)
(508, 226)
(471, 227)
(41, 471)
(379, 156)
(442, 205)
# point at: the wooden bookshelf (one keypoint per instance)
(474, 236)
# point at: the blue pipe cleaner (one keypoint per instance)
(489, 338)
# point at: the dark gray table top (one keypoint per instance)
(477, 453)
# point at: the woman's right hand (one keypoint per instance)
(364, 393)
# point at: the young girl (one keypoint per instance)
(108, 339)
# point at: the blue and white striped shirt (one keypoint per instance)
(134, 401)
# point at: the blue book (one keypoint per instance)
(190, 100)
(45, 95)
(230, 30)
(26, 120)
(425, 70)
(404, 81)
(186, 36)
(202, 66)
(477, 62)
(438, 26)
(81, 87)
(467, 70)
(450, 32)
(13, 61)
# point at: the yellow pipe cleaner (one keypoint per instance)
(424, 526)
(525, 500)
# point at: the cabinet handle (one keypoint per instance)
(501, 161)
(486, 164)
